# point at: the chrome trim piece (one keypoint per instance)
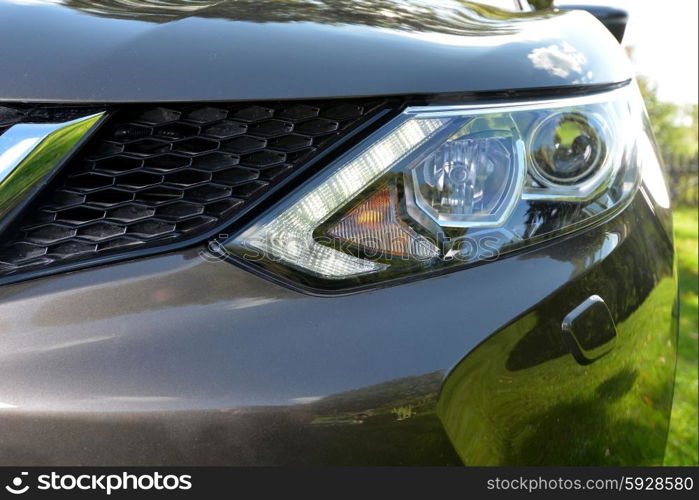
(30, 153)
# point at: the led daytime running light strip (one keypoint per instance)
(288, 236)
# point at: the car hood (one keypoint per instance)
(183, 50)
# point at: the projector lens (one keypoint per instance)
(567, 148)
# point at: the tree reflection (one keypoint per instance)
(444, 16)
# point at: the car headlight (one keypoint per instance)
(441, 187)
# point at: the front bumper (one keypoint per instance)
(173, 360)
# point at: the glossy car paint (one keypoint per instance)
(175, 360)
(109, 50)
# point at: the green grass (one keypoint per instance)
(683, 446)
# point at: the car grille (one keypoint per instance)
(160, 175)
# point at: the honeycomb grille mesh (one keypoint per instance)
(159, 175)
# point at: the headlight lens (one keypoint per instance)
(439, 187)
